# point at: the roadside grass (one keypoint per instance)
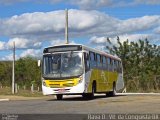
(143, 91)
(21, 92)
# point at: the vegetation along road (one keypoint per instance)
(75, 104)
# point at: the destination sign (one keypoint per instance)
(62, 48)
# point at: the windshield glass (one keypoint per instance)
(62, 65)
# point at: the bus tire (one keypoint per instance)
(113, 92)
(59, 96)
(90, 95)
(85, 95)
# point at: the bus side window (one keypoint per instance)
(92, 60)
(98, 61)
(112, 64)
(120, 67)
(109, 63)
(86, 60)
(104, 63)
(115, 66)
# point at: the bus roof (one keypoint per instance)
(87, 49)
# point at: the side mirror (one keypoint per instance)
(39, 63)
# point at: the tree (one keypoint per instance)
(26, 72)
(140, 62)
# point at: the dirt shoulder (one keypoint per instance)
(14, 97)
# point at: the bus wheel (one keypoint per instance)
(85, 95)
(93, 89)
(90, 95)
(113, 92)
(59, 96)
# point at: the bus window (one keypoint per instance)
(98, 58)
(109, 64)
(86, 61)
(92, 60)
(120, 67)
(112, 65)
(104, 62)
(92, 56)
(99, 61)
(116, 65)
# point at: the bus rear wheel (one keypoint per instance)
(113, 92)
(59, 96)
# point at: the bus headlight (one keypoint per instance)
(80, 79)
(43, 82)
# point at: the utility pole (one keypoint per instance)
(13, 68)
(66, 27)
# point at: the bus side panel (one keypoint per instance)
(111, 78)
(108, 84)
(120, 83)
(104, 80)
(93, 77)
(87, 77)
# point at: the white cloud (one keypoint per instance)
(25, 53)
(148, 2)
(31, 52)
(23, 43)
(42, 25)
(29, 30)
(88, 4)
(33, 23)
(131, 37)
(9, 57)
(93, 4)
(134, 37)
(157, 30)
(84, 4)
(98, 40)
(2, 45)
(20, 43)
(11, 2)
(57, 42)
(52, 23)
(138, 24)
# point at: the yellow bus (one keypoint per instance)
(75, 69)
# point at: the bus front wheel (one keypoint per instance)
(93, 90)
(90, 95)
(59, 96)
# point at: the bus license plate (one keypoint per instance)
(61, 90)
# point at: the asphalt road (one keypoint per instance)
(137, 104)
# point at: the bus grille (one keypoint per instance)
(61, 83)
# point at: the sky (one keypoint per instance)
(36, 24)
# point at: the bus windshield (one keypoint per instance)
(62, 65)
